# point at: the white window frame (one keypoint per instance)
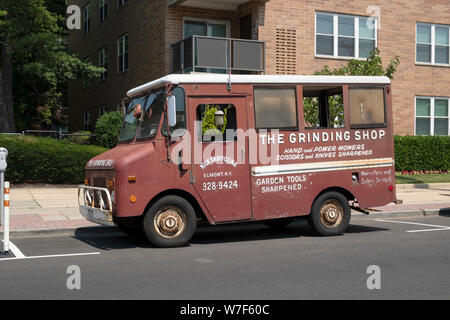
(103, 62)
(336, 35)
(123, 52)
(433, 45)
(431, 116)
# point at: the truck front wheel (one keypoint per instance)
(330, 214)
(170, 222)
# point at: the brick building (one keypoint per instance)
(133, 39)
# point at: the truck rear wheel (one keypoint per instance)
(330, 214)
(170, 222)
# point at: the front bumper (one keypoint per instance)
(95, 205)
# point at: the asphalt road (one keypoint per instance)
(245, 261)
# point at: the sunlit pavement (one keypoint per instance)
(243, 261)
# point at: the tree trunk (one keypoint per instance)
(6, 90)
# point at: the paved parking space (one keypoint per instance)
(242, 261)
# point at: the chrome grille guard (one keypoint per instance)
(87, 197)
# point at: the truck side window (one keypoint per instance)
(218, 122)
(275, 108)
(367, 107)
(323, 107)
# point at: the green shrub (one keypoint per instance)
(82, 138)
(422, 153)
(47, 160)
(107, 129)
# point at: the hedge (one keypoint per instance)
(422, 153)
(46, 160)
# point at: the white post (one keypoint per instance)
(6, 218)
(4, 212)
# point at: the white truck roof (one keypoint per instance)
(255, 79)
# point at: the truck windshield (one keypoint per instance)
(131, 120)
(152, 115)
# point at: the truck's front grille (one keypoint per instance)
(99, 182)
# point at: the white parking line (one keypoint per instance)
(20, 256)
(16, 251)
(52, 256)
(435, 227)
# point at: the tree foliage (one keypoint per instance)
(373, 66)
(107, 129)
(42, 65)
(208, 121)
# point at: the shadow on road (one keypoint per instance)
(444, 212)
(113, 239)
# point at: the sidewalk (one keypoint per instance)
(48, 209)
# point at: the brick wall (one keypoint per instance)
(396, 37)
(144, 23)
(153, 27)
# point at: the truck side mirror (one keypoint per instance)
(172, 111)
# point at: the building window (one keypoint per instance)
(103, 9)
(123, 53)
(87, 19)
(87, 121)
(345, 36)
(275, 108)
(432, 44)
(103, 62)
(102, 110)
(432, 116)
(122, 3)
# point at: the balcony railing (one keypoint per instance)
(221, 55)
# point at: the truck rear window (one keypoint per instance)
(367, 107)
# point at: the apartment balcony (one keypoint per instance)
(219, 55)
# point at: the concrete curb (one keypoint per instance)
(95, 230)
(407, 186)
(406, 213)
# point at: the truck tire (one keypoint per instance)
(170, 222)
(278, 223)
(330, 214)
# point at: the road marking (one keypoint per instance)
(435, 227)
(16, 251)
(20, 256)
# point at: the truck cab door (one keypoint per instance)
(220, 169)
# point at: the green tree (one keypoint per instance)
(373, 66)
(35, 38)
(107, 129)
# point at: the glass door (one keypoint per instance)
(205, 28)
